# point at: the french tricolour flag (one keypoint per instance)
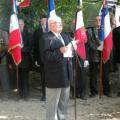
(22, 3)
(80, 34)
(14, 42)
(106, 33)
(51, 12)
(51, 8)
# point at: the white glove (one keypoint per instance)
(86, 63)
(100, 47)
(36, 63)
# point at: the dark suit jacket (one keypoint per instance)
(58, 69)
(94, 54)
(37, 38)
(116, 41)
(25, 50)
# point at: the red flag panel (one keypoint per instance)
(14, 43)
(107, 47)
(24, 3)
(80, 34)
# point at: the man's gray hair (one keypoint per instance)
(54, 18)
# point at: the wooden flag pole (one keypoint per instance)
(17, 72)
(100, 80)
(76, 62)
(74, 85)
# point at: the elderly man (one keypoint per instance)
(58, 69)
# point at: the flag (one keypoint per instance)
(101, 30)
(105, 33)
(80, 34)
(14, 46)
(51, 12)
(117, 15)
(51, 8)
(22, 3)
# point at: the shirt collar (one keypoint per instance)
(56, 34)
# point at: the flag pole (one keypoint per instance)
(17, 73)
(101, 54)
(75, 72)
(101, 74)
(75, 62)
(75, 108)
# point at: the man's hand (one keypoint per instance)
(86, 63)
(100, 47)
(63, 49)
(36, 63)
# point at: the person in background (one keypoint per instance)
(58, 69)
(12, 73)
(113, 25)
(37, 58)
(4, 76)
(82, 75)
(94, 55)
(23, 67)
(78, 85)
(109, 65)
(116, 54)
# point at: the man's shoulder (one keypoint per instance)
(116, 30)
(65, 34)
(37, 30)
(47, 35)
(90, 28)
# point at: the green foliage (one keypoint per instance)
(64, 8)
(67, 10)
(90, 10)
(4, 14)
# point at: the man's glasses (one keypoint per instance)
(56, 23)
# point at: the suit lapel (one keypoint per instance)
(55, 37)
(66, 41)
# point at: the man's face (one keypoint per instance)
(56, 26)
(98, 21)
(21, 25)
(43, 21)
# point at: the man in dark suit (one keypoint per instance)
(94, 55)
(37, 38)
(58, 69)
(94, 60)
(116, 40)
(4, 76)
(23, 68)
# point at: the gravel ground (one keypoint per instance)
(90, 109)
(33, 109)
